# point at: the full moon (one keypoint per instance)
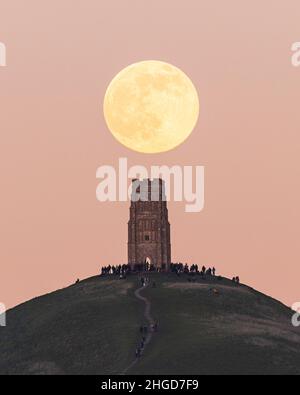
(151, 107)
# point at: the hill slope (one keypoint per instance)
(93, 328)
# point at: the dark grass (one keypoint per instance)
(93, 328)
(72, 331)
(195, 336)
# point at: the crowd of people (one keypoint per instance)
(178, 268)
(120, 270)
(125, 269)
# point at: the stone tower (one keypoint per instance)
(148, 226)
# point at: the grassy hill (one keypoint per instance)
(93, 328)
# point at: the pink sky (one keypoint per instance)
(61, 55)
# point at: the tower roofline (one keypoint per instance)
(147, 179)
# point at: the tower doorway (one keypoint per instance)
(148, 263)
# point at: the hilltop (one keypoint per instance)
(205, 327)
